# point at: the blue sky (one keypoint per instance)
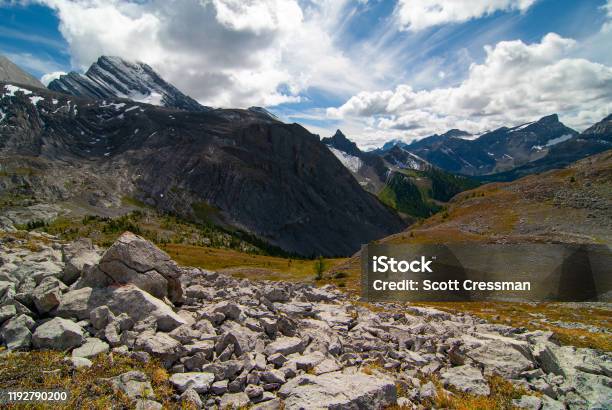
(378, 69)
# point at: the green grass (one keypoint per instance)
(403, 194)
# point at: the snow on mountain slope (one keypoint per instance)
(113, 77)
(349, 161)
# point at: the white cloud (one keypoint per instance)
(417, 15)
(516, 83)
(47, 78)
(222, 52)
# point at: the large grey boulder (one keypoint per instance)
(198, 381)
(338, 390)
(160, 345)
(58, 334)
(140, 305)
(132, 259)
(467, 379)
(16, 332)
(129, 299)
(79, 303)
(78, 257)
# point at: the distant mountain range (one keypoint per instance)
(113, 77)
(508, 152)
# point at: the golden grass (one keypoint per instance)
(528, 315)
(40, 370)
(247, 265)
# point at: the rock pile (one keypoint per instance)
(229, 342)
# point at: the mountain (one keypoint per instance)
(367, 167)
(11, 73)
(496, 151)
(113, 77)
(399, 178)
(234, 167)
(593, 140)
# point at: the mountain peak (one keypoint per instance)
(12, 73)
(455, 132)
(340, 142)
(114, 77)
(549, 119)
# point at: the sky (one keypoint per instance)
(376, 69)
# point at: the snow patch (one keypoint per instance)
(557, 140)
(349, 161)
(12, 89)
(36, 99)
(153, 98)
(520, 127)
(116, 106)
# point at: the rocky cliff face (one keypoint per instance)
(113, 77)
(241, 167)
(234, 343)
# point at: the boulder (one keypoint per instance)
(46, 296)
(338, 390)
(79, 303)
(100, 317)
(129, 299)
(132, 259)
(501, 358)
(58, 334)
(191, 398)
(466, 379)
(91, 348)
(198, 381)
(160, 345)
(16, 332)
(78, 257)
(234, 401)
(140, 305)
(285, 346)
(7, 312)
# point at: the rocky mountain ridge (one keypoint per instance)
(239, 168)
(112, 77)
(508, 152)
(231, 343)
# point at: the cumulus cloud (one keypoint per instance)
(47, 78)
(222, 52)
(516, 83)
(417, 15)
